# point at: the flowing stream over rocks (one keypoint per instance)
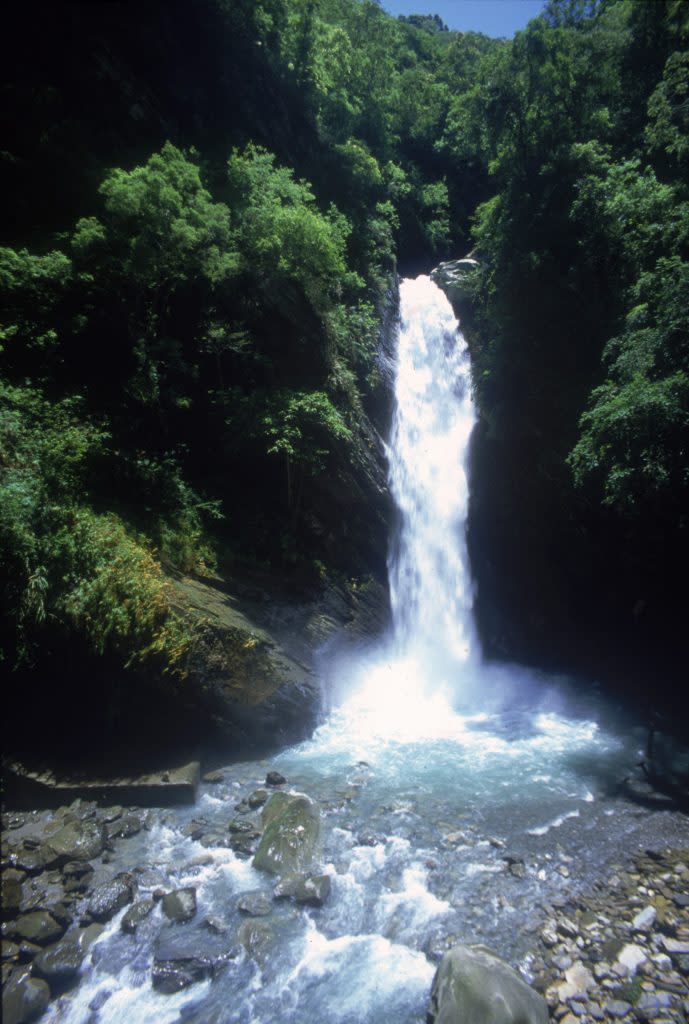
(450, 800)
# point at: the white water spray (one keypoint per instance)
(407, 690)
(430, 582)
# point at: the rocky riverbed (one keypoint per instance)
(84, 882)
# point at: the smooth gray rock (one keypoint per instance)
(474, 986)
(290, 836)
(77, 840)
(24, 998)
(59, 964)
(40, 927)
(180, 904)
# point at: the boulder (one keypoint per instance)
(308, 890)
(290, 835)
(183, 956)
(243, 836)
(474, 986)
(59, 964)
(135, 915)
(254, 904)
(77, 840)
(314, 891)
(180, 904)
(40, 927)
(24, 998)
(110, 897)
(454, 277)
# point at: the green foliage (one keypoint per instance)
(284, 235)
(115, 593)
(634, 441)
(160, 226)
(65, 568)
(32, 287)
(304, 427)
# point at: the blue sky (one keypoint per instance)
(493, 17)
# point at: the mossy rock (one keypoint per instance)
(291, 833)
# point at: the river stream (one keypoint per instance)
(458, 799)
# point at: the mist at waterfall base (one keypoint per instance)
(418, 681)
(434, 773)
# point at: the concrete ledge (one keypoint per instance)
(164, 788)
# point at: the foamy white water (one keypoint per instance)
(431, 588)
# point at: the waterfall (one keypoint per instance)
(430, 580)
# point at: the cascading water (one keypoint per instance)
(419, 801)
(430, 581)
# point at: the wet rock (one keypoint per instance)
(214, 777)
(275, 779)
(307, 890)
(135, 915)
(59, 964)
(127, 825)
(290, 836)
(30, 858)
(76, 840)
(313, 891)
(244, 836)
(183, 956)
(213, 840)
(110, 897)
(472, 984)
(76, 869)
(256, 937)
(216, 925)
(24, 998)
(12, 891)
(39, 927)
(10, 950)
(254, 904)
(257, 798)
(111, 814)
(28, 950)
(180, 904)
(369, 839)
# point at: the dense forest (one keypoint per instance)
(206, 207)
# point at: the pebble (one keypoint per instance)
(617, 1008)
(644, 920)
